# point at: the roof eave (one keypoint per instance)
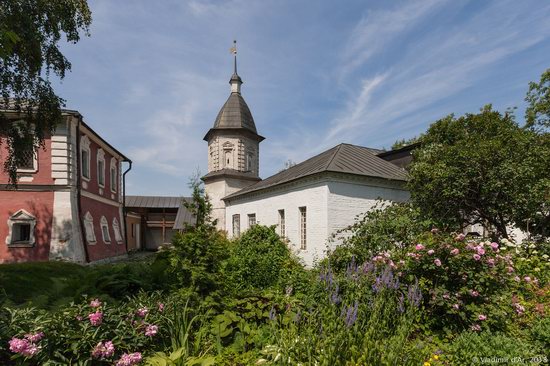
(248, 132)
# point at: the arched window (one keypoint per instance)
(105, 230)
(116, 230)
(89, 228)
(21, 229)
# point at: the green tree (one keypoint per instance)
(482, 168)
(30, 31)
(537, 114)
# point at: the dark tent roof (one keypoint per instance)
(153, 201)
(343, 158)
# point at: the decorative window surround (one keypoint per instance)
(21, 230)
(101, 168)
(114, 175)
(116, 229)
(89, 228)
(33, 160)
(85, 157)
(105, 230)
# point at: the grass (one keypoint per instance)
(51, 284)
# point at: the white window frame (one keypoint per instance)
(21, 217)
(303, 227)
(252, 220)
(236, 225)
(104, 227)
(101, 172)
(113, 177)
(282, 223)
(85, 146)
(116, 230)
(89, 228)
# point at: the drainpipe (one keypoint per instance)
(78, 190)
(124, 213)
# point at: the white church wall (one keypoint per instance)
(266, 206)
(347, 200)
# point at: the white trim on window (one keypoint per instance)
(116, 229)
(89, 228)
(85, 161)
(105, 230)
(101, 168)
(21, 229)
(251, 220)
(113, 174)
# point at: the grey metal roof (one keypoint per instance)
(231, 173)
(153, 201)
(235, 114)
(343, 158)
(184, 216)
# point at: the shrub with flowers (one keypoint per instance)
(467, 283)
(93, 330)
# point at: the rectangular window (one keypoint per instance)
(282, 226)
(105, 232)
(133, 230)
(236, 225)
(101, 172)
(85, 159)
(21, 233)
(27, 160)
(251, 220)
(303, 229)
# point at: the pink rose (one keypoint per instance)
(475, 327)
(151, 330)
(474, 293)
(419, 247)
(142, 312)
(103, 350)
(494, 246)
(482, 317)
(477, 257)
(431, 251)
(96, 318)
(527, 279)
(456, 306)
(517, 279)
(35, 337)
(129, 359)
(460, 237)
(455, 251)
(161, 307)
(434, 230)
(437, 262)
(23, 347)
(95, 303)
(480, 251)
(491, 262)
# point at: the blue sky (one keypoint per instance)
(154, 74)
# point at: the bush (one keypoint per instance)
(260, 260)
(389, 226)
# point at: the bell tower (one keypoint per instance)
(233, 149)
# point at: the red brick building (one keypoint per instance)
(69, 199)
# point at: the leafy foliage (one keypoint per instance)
(259, 260)
(537, 114)
(482, 168)
(30, 31)
(387, 226)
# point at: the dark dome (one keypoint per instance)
(235, 114)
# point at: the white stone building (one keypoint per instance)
(309, 201)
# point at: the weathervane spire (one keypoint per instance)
(236, 80)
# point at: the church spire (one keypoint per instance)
(235, 80)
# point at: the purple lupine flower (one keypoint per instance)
(350, 313)
(351, 270)
(401, 303)
(335, 297)
(368, 267)
(414, 295)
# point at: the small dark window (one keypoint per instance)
(21, 233)
(85, 163)
(26, 161)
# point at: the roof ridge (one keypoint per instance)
(338, 147)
